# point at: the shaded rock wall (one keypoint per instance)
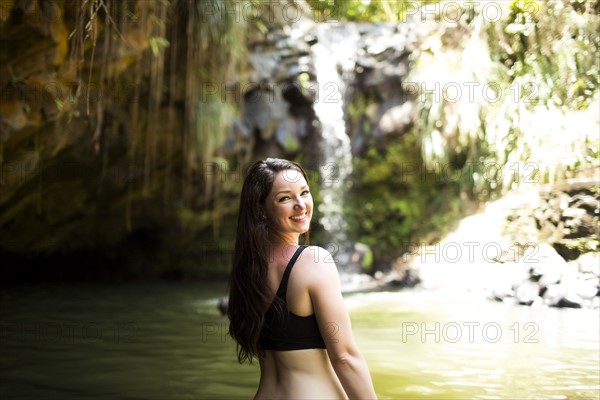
(107, 166)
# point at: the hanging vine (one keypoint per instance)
(168, 41)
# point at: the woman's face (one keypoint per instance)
(289, 205)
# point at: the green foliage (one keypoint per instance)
(553, 47)
(394, 201)
(217, 42)
(547, 53)
(157, 44)
(537, 124)
(367, 262)
(540, 127)
(365, 10)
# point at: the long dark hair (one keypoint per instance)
(249, 294)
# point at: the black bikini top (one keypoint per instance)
(291, 332)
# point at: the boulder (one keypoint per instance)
(263, 111)
(223, 304)
(286, 135)
(397, 120)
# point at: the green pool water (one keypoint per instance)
(168, 341)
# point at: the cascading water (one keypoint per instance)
(334, 53)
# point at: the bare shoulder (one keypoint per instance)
(318, 265)
(317, 256)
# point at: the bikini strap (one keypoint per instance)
(286, 274)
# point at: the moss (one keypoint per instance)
(394, 201)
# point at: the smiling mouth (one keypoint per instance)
(298, 218)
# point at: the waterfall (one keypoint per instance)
(333, 54)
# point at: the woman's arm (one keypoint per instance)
(334, 323)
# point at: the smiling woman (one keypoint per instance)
(285, 305)
(289, 208)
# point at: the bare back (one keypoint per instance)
(307, 373)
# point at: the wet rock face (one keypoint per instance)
(383, 57)
(83, 181)
(34, 43)
(279, 96)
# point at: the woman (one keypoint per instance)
(285, 302)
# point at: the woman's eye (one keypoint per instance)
(286, 198)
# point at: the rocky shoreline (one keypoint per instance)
(514, 250)
(567, 227)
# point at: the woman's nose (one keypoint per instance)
(299, 204)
